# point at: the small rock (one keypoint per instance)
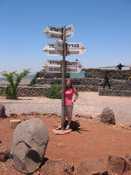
(57, 167)
(2, 111)
(4, 156)
(84, 116)
(116, 165)
(107, 116)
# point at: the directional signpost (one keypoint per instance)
(61, 47)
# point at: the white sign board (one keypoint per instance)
(75, 48)
(56, 32)
(50, 49)
(72, 48)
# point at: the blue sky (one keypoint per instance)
(103, 26)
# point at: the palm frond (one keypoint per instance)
(20, 76)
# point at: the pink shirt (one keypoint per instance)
(69, 93)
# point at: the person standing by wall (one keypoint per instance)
(106, 80)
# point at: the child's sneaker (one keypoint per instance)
(67, 127)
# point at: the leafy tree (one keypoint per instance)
(14, 79)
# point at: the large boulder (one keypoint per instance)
(94, 167)
(2, 111)
(116, 165)
(57, 167)
(107, 116)
(30, 139)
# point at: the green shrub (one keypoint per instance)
(54, 92)
(3, 92)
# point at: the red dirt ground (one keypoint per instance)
(95, 141)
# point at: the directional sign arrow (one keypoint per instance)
(72, 48)
(75, 48)
(75, 52)
(56, 32)
(50, 49)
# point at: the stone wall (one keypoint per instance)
(121, 84)
(110, 92)
(90, 72)
(31, 91)
(84, 84)
(92, 83)
(78, 81)
(27, 91)
(114, 74)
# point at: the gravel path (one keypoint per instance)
(88, 103)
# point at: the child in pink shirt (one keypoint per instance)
(71, 96)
